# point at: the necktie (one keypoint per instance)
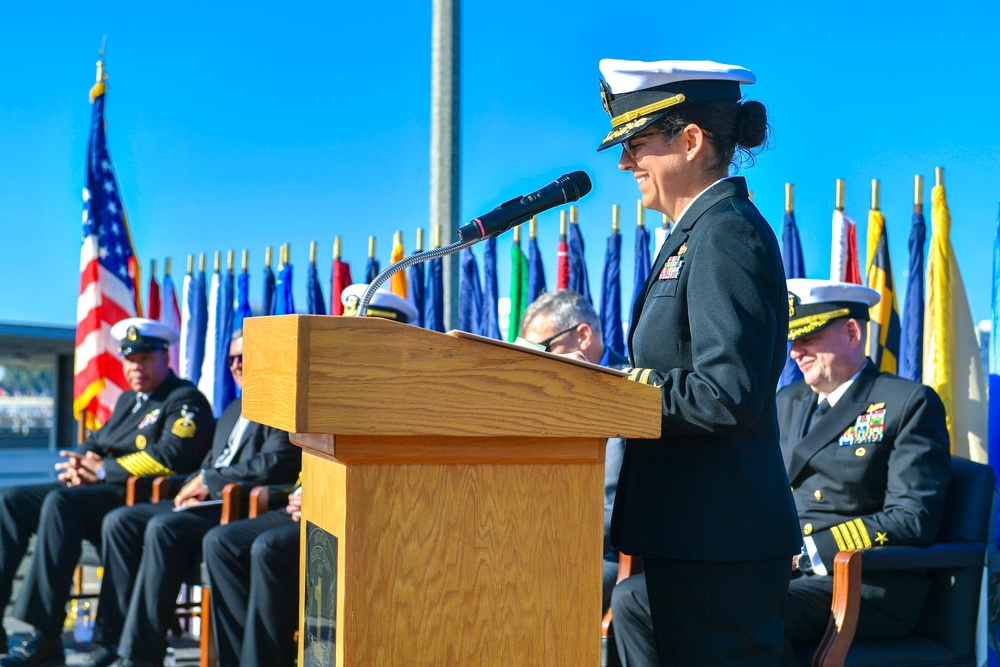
(818, 413)
(140, 398)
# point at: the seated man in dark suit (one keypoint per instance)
(563, 322)
(253, 564)
(868, 458)
(149, 549)
(162, 425)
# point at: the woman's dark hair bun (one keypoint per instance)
(751, 124)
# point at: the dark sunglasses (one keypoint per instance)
(235, 357)
(547, 343)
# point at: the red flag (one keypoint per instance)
(341, 280)
(562, 270)
(853, 274)
(154, 299)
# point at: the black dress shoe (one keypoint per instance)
(102, 657)
(38, 650)
(125, 662)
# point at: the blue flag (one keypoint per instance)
(536, 272)
(267, 298)
(470, 306)
(491, 291)
(578, 280)
(795, 267)
(434, 304)
(994, 358)
(243, 310)
(911, 340)
(371, 270)
(415, 295)
(642, 265)
(315, 301)
(216, 382)
(284, 304)
(200, 321)
(611, 296)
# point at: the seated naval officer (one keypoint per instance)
(149, 549)
(563, 322)
(162, 425)
(868, 458)
(253, 564)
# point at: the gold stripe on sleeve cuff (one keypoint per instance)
(142, 464)
(866, 539)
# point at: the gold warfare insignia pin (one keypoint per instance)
(132, 333)
(683, 249)
(881, 538)
(140, 442)
(606, 96)
(875, 406)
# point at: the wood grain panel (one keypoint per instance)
(370, 375)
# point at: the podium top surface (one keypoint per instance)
(360, 376)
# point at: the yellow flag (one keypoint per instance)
(952, 365)
(397, 284)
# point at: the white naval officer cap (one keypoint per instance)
(814, 304)
(636, 94)
(139, 334)
(383, 304)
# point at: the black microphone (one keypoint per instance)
(563, 190)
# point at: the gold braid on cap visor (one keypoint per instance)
(805, 325)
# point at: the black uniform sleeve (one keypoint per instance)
(277, 462)
(918, 473)
(185, 434)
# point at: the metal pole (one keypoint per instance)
(445, 144)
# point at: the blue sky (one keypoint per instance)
(245, 125)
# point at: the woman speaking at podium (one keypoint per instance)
(707, 504)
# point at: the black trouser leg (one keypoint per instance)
(20, 508)
(272, 615)
(171, 553)
(121, 552)
(69, 515)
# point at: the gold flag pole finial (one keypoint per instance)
(517, 235)
(268, 256)
(336, 247)
(397, 238)
(166, 266)
(918, 194)
(875, 194)
(436, 235)
(666, 222)
(282, 255)
(640, 214)
(201, 262)
(839, 197)
(572, 215)
(533, 227)
(152, 268)
(190, 264)
(789, 198)
(312, 253)
(939, 176)
(615, 215)
(229, 261)
(420, 239)
(245, 261)
(218, 260)
(371, 247)
(562, 225)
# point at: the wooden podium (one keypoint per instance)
(453, 490)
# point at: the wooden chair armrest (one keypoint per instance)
(232, 500)
(138, 490)
(833, 648)
(627, 566)
(260, 498)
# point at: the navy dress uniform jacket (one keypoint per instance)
(874, 471)
(709, 329)
(168, 435)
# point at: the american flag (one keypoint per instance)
(109, 279)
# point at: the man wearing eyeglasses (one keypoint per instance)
(563, 322)
(150, 549)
